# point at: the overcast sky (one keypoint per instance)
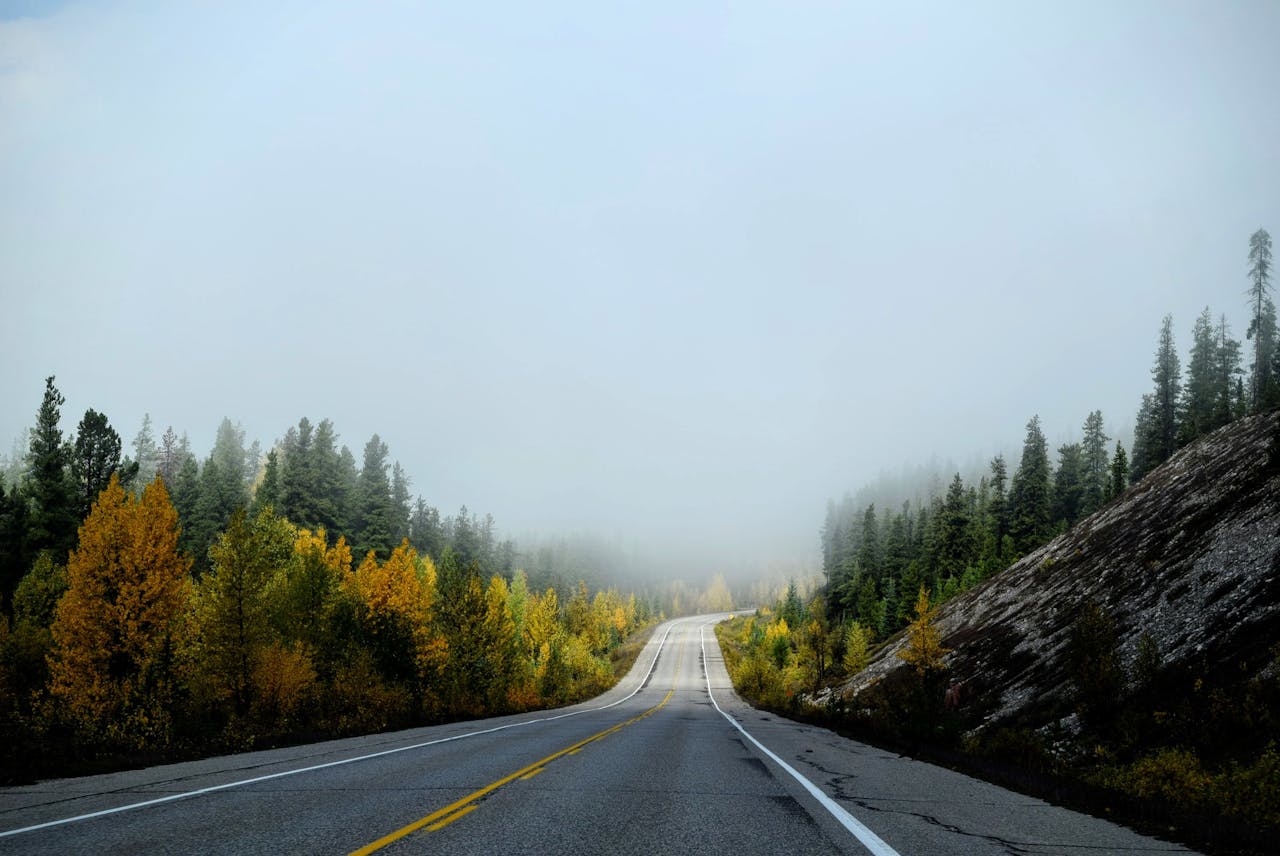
(674, 273)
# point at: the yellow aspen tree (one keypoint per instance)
(500, 635)
(395, 609)
(924, 648)
(115, 630)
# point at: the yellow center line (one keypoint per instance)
(443, 817)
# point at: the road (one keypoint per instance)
(653, 766)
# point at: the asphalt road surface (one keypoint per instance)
(654, 766)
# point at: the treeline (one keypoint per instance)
(875, 560)
(128, 634)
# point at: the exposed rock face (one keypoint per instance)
(1190, 555)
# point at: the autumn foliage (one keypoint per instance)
(281, 635)
(117, 628)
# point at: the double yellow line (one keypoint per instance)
(443, 817)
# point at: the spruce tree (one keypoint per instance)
(1069, 485)
(1144, 440)
(999, 509)
(1030, 523)
(1199, 403)
(1166, 397)
(375, 515)
(145, 454)
(869, 557)
(1227, 376)
(49, 489)
(1119, 473)
(400, 510)
(1262, 323)
(955, 549)
(96, 456)
(267, 494)
(1094, 450)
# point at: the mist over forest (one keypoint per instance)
(665, 277)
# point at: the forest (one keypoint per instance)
(156, 606)
(888, 570)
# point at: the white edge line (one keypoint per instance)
(313, 768)
(868, 838)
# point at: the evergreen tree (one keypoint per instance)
(869, 552)
(297, 480)
(425, 531)
(1069, 485)
(268, 493)
(1262, 323)
(1166, 398)
(1200, 399)
(1144, 440)
(145, 454)
(1119, 473)
(1095, 475)
(331, 495)
(999, 508)
(1227, 377)
(169, 460)
(234, 465)
(375, 515)
(1030, 518)
(95, 459)
(869, 608)
(955, 549)
(400, 511)
(49, 489)
(186, 494)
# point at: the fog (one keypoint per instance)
(668, 275)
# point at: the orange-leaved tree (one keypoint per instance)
(115, 630)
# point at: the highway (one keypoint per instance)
(669, 761)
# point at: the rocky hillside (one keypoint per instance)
(1191, 555)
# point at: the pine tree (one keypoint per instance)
(1227, 376)
(1166, 397)
(425, 531)
(1119, 473)
(145, 454)
(400, 510)
(115, 628)
(1144, 441)
(999, 508)
(297, 477)
(49, 489)
(869, 557)
(169, 460)
(1199, 402)
(375, 519)
(1094, 451)
(1262, 323)
(95, 459)
(1031, 523)
(267, 494)
(955, 550)
(1069, 485)
(234, 465)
